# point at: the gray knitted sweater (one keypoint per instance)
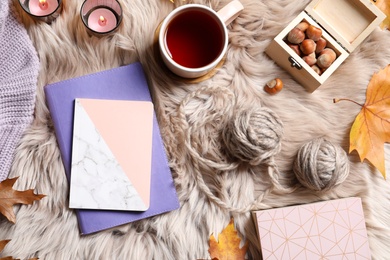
(19, 66)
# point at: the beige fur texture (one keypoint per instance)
(192, 117)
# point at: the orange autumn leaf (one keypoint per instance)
(384, 6)
(8, 258)
(3, 243)
(10, 197)
(371, 128)
(228, 245)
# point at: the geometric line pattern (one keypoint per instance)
(333, 229)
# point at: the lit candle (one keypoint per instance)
(42, 7)
(102, 20)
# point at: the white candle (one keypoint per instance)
(102, 20)
(42, 7)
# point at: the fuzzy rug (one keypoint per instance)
(192, 118)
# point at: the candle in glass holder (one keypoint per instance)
(101, 16)
(41, 8)
(102, 20)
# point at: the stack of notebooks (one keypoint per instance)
(111, 148)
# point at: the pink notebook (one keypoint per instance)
(111, 155)
(332, 229)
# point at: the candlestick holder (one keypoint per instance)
(101, 16)
(45, 10)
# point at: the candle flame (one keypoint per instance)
(43, 4)
(102, 20)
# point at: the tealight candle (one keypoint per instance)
(101, 16)
(40, 8)
(102, 20)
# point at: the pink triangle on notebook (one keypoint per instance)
(126, 126)
(126, 129)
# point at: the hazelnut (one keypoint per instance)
(308, 46)
(302, 26)
(295, 48)
(316, 69)
(325, 60)
(295, 36)
(321, 44)
(310, 59)
(313, 32)
(273, 86)
(330, 52)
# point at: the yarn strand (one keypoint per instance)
(260, 155)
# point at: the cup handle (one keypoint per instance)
(230, 11)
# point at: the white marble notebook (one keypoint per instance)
(111, 155)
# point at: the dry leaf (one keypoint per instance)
(9, 197)
(228, 245)
(11, 258)
(371, 128)
(3, 243)
(384, 6)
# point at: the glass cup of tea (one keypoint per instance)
(193, 38)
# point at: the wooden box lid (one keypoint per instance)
(348, 21)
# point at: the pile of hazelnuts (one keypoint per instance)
(306, 40)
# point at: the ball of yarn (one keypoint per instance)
(253, 135)
(321, 165)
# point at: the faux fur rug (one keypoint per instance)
(192, 118)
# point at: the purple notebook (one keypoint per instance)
(123, 83)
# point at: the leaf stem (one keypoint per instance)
(336, 100)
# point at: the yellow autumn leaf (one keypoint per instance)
(371, 128)
(228, 245)
(384, 6)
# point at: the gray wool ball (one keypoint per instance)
(253, 135)
(321, 165)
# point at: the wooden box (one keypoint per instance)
(344, 23)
